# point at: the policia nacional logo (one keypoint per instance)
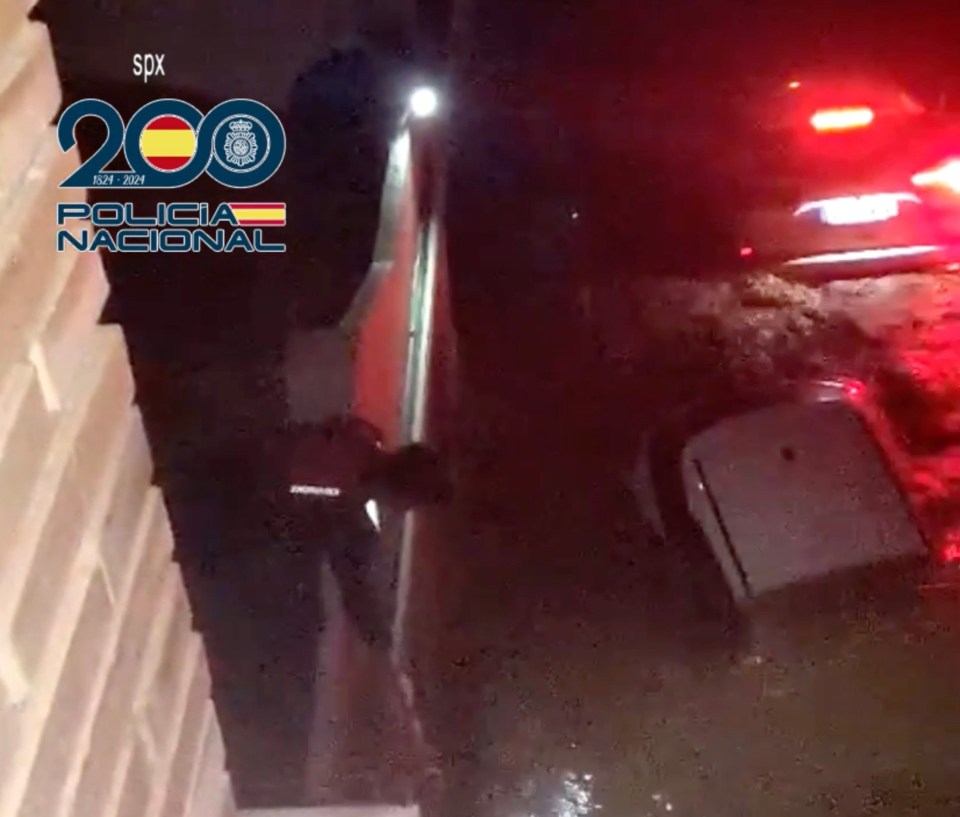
(168, 144)
(240, 147)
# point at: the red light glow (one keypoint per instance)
(950, 554)
(841, 119)
(853, 389)
(746, 252)
(946, 174)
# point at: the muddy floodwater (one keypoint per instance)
(580, 670)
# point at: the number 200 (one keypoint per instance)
(206, 157)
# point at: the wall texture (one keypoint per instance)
(382, 320)
(104, 686)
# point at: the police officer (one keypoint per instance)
(341, 480)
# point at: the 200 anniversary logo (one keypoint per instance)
(168, 144)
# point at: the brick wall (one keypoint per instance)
(105, 706)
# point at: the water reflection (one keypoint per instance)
(569, 794)
(575, 796)
(662, 803)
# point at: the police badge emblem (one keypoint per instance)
(242, 145)
(240, 148)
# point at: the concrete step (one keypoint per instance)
(335, 811)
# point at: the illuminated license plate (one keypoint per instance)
(859, 210)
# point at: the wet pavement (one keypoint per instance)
(583, 671)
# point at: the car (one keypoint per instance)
(820, 660)
(781, 486)
(849, 175)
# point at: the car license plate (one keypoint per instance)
(859, 210)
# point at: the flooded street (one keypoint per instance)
(583, 671)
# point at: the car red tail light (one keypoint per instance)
(840, 119)
(944, 175)
(950, 554)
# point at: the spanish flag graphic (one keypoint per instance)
(168, 143)
(259, 214)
